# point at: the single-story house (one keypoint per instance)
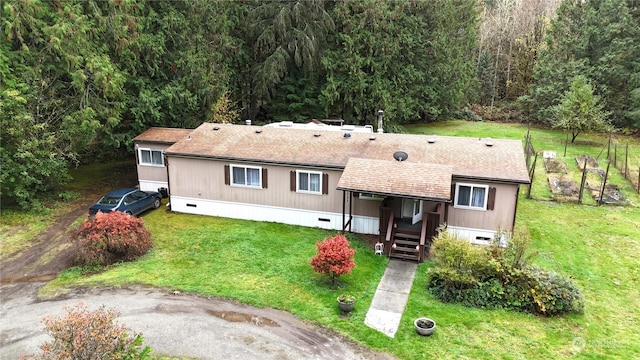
(401, 187)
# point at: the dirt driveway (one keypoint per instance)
(177, 325)
(173, 324)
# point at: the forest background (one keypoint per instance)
(79, 79)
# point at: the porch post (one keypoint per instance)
(343, 210)
(350, 209)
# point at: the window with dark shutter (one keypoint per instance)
(246, 176)
(471, 196)
(309, 182)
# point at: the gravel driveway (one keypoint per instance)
(177, 325)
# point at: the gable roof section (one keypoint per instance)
(468, 157)
(162, 135)
(384, 177)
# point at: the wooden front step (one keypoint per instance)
(406, 243)
(405, 249)
(404, 256)
(401, 235)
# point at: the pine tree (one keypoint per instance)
(580, 110)
(598, 39)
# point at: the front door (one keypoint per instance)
(412, 209)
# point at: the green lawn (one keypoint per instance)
(267, 264)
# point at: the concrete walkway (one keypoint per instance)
(391, 297)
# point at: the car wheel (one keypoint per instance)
(156, 203)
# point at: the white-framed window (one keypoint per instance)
(471, 196)
(250, 176)
(309, 181)
(368, 196)
(150, 157)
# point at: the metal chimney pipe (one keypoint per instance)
(248, 122)
(380, 130)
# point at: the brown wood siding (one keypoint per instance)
(366, 207)
(151, 173)
(205, 179)
(501, 217)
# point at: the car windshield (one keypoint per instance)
(109, 200)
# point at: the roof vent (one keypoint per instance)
(248, 122)
(347, 135)
(488, 142)
(431, 139)
(258, 131)
(189, 137)
(372, 137)
(216, 128)
(400, 155)
(316, 135)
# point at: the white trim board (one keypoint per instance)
(471, 234)
(150, 185)
(320, 219)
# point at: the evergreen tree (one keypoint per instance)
(580, 110)
(595, 38)
(282, 35)
(412, 59)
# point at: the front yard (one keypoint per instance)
(267, 265)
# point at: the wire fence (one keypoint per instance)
(530, 153)
(626, 158)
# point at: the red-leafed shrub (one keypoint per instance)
(334, 257)
(111, 237)
(89, 335)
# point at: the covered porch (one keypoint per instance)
(413, 206)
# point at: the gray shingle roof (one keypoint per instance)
(389, 177)
(163, 135)
(466, 157)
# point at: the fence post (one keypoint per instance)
(584, 177)
(533, 172)
(626, 162)
(604, 183)
(609, 147)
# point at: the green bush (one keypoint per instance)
(496, 277)
(452, 253)
(553, 294)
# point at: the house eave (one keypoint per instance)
(407, 196)
(489, 179)
(255, 161)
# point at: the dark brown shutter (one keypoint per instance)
(491, 199)
(292, 181)
(264, 178)
(227, 175)
(325, 183)
(453, 193)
